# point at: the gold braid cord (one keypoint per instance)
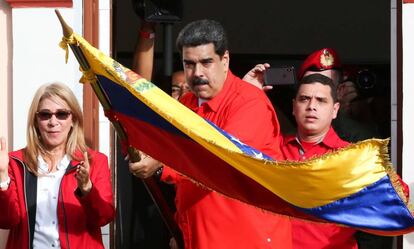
(88, 76)
(64, 45)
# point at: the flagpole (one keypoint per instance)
(149, 183)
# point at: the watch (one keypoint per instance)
(5, 184)
(158, 173)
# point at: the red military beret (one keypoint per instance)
(320, 60)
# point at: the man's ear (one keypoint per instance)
(335, 110)
(293, 105)
(226, 59)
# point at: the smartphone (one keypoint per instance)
(280, 76)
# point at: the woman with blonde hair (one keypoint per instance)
(54, 193)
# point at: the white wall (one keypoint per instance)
(5, 70)
(408, 103)
(5, 84)
(37, 58)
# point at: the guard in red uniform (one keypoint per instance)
(326, 61)
(314, 108)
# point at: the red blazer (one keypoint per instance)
(80, 218)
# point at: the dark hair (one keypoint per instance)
(319, 78)
(203, 32)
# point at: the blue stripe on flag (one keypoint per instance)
(377, 205)
(124, 102)
(243, 147)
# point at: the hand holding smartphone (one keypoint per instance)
(280, 76)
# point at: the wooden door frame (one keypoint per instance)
(90, 101)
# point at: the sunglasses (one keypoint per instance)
(60, 114)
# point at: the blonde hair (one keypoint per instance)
(75, 142)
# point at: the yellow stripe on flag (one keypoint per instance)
(306, 184)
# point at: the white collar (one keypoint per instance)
(44, 168)
(201, 101)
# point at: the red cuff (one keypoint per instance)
(169, 175)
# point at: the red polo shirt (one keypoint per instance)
(308, 235)
(209, 220)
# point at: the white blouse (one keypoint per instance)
(46, 234)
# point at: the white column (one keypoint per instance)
(408, 103)
(5, 85)
(104, 130)
(5, 72)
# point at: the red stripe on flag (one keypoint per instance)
(191, 159)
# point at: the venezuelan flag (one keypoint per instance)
(354, 186)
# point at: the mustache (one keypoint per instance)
(199, 81)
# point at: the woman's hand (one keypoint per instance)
(82, 175)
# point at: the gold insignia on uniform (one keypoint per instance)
(326, 58)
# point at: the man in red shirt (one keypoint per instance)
(208, 219)
(327, 62)
(314, 107)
